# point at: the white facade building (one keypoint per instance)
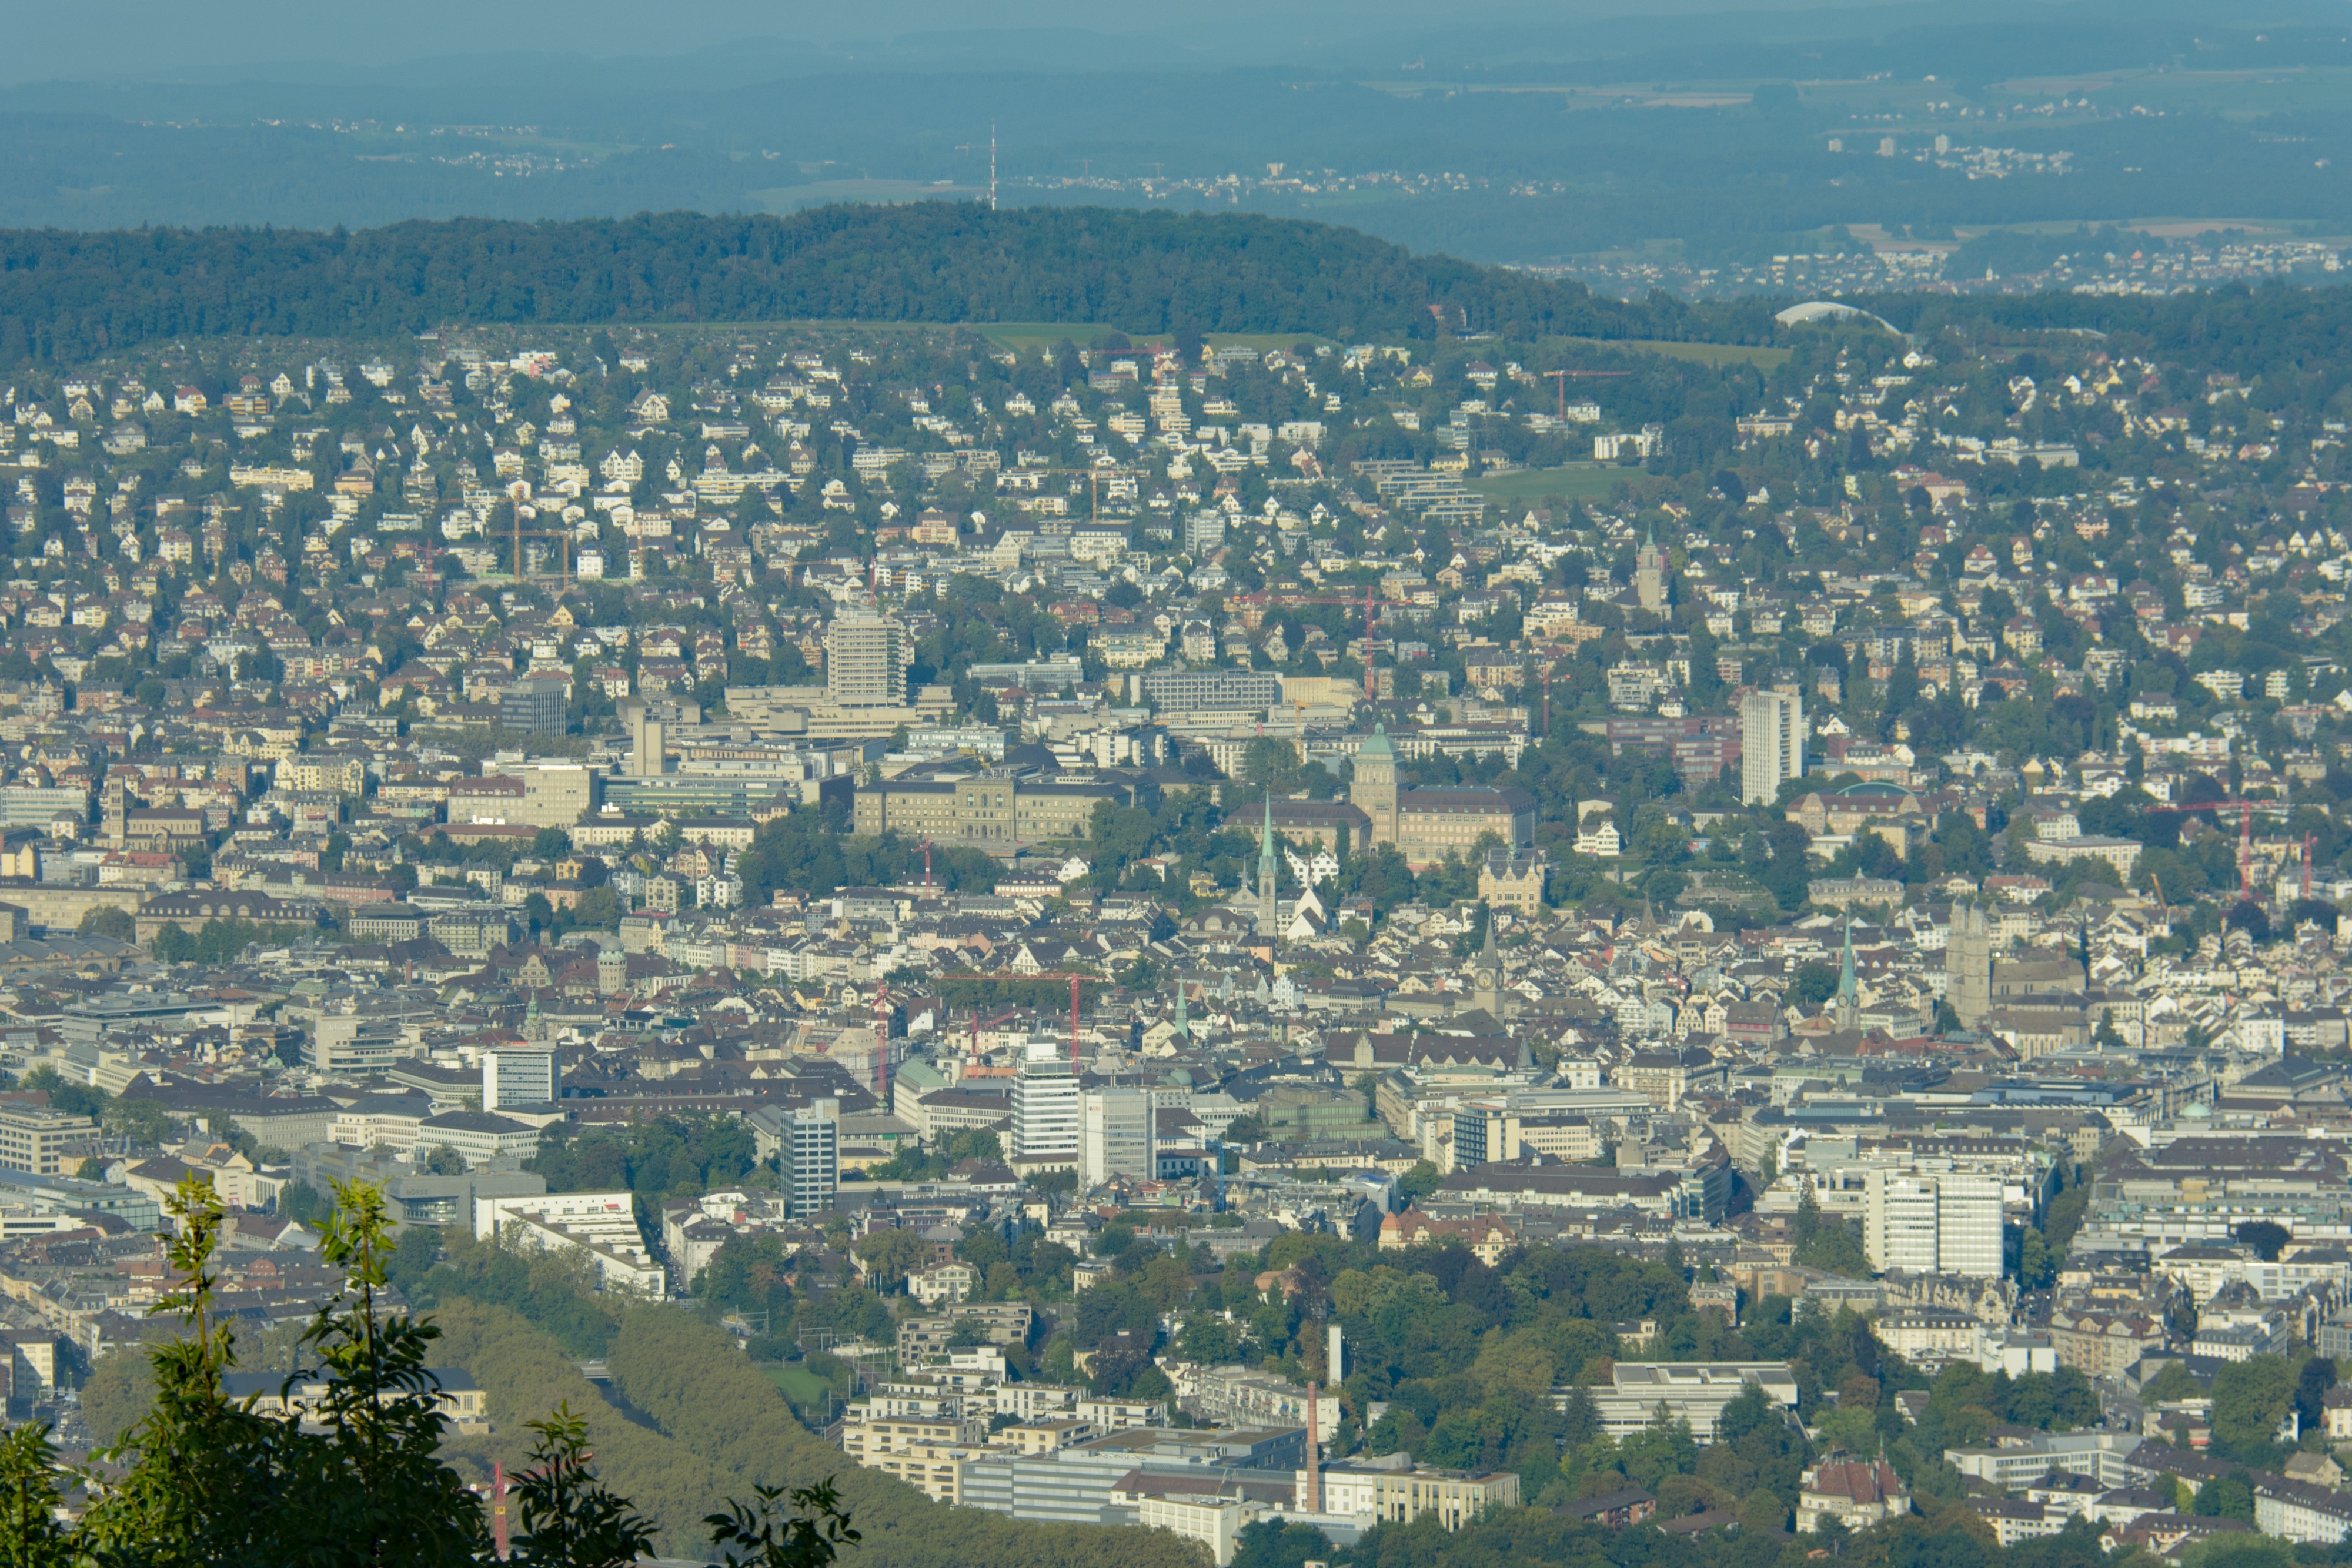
(1047, 1119)
(602, 1226)
(518, 1075)
(1116, 1137)
(1771, 743)
(810, 1156)
(1934, 1222)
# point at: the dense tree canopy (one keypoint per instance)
(64, 297)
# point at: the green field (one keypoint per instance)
(2239, 95)
(1757, 354)
(1030, 337)
(802, 1387)
(1580, 482)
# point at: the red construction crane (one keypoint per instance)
(1561, 377)
(1367, 602)
(977, 1026)
(1058, 975)
(2245, 810)
(499, 1543)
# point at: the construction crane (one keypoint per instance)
(1561, 378)
(1075, 979)
(2245, 810)
(563, 547)
(977, 1026)
(1367, 602)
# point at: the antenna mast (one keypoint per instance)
(992, 165)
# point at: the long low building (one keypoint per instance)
(1073, 1485)
(1690, 1391)
(603, 1225)
(1538, 1181)
(2104, 1457)
(991, 812)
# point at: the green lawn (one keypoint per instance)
(1029, 336)
(1580, 482)
(1757, 354)
(803, 1387)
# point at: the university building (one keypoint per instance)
(1427, 825)
(991, 812)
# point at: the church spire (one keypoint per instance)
(1849, 996)
(1268, 922)
(1486, 975)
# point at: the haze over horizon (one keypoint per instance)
(1582, 135)
(127, 40)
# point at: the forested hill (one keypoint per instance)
(64, 296)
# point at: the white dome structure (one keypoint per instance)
(1814, 310)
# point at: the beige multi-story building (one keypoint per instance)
(34, 1137)
(1928, 1334)
(1426, 826)
(536, 795)
(1513, 879)
(1664, 1077)
(867, 1441)
(866, 660)
(1456, 1496)
(934, 1469)
(986, 810)
(2101, 1345)
(323, 773)
(1004, 1323)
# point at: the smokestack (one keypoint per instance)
(1314, 1459)
(1332, 1349)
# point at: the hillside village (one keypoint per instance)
(1085, 848)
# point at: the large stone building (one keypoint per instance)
(989, 811)
(1425, 826)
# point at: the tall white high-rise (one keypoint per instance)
(1899, 1229)
(1046, 1119)
(518, 1075)
(866, 659)
(811, 1158)
(1117, 1136)
(1771, 744)
(1934, 1222)
(1970, 1230)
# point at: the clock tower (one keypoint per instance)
(1487, 976)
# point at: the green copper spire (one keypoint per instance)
(1849, 996)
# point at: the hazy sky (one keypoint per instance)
(83, 38)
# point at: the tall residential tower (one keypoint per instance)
(1771, 744)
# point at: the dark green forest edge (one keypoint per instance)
(69, 297)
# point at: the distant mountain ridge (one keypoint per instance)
(68, 296)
